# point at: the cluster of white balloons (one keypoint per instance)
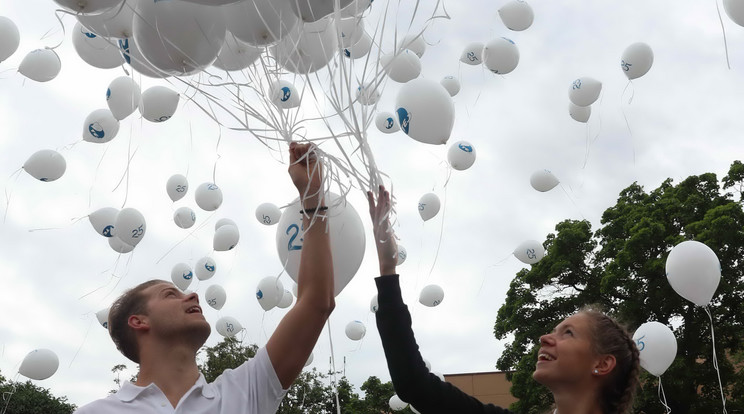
(123, 228)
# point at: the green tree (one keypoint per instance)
(229, 353)
(27, 398)
(622, 267)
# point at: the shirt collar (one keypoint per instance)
(129, 392)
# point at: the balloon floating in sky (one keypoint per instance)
(543, 180)
(177, 187)
(269, 292)
(236, 54)
(402, 67)
(184, 217)
(268, 214)
(208, 196)
(100, 126)
(452, 84)
(579, 113)
(529, 252)
(657, 346)
(367, 95)
(10, 38)
(45, 165)
(396, 404)
(215, 296)
(584, 91)
(425, 111)
(39, 364)
(87, 6)
(133, 56)
(182, 275)
(517, 15)
(226, 238)
(158, 104)
(637, 60)
(119, 246)
(355, 330)
(228, 326)
(259, 22)
(130, 226)
(95, 50)
(359, 49)
(461, 155)
(413, 42)
(734, 9)
(205, 268)
(286, 300)
(501, 55)
(386, 122)
(123, 97)
(103, 220)
(284, 94)
(311, 10)
(115, 22)
(402, 255)
(693, 271)
(346, 233)
(431, 295)
(351, 30)
(472, 54)
(307, 48)
(102, 316)
(223, 222)
(428, 206)
(373, 304)
(41, 65)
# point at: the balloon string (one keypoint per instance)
(8, 195)
(333, 367)
(715, 358)
(572, 200)
(81, 344)
(441, 233)
(9, 394)
(625, 116)
(723, 30)
(662, 397)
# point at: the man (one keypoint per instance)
(161, 328)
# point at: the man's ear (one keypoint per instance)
(138, 322)
(604, 365)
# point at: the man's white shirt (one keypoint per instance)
(252, 388)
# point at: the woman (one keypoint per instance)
(589, 362)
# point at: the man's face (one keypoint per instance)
(174, 314)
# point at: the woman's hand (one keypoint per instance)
(387, 248)
(306, 173)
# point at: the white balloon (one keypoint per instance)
(10, 38)
(367, 94)
(693, 271)
(132, 54)
(584, 91)
(100, 126)
(734, 9)
(461, 155)
(473, 54)
(39, 364)
(87, 6)
(228, 326)
(286, 300)
(637, 60)
(402, 255)
(657, 346)
(452, 84)
(313, 10)
(396, 404)
(215, 296)
(309, 360)
(119, 246)
(579, 113)
(403, 67)
(284, 94)
(130, 226)
(428, 206)
(115, 22)
(307, 49)
(500, 55)
(223, 222)
(529, 252)
(431, 295)
(123, 96)
(177, 187)
(213, 2)
(41, 65)
(414, 43)
(413, 409)
(178, 37)
(427, 364)
(102, 316)
(182, 275)
(346, 233)
(268, 214)
(45, 165)
(517, 15)
(356, 8)
(103, 220)
(205, 268)
(359, 49)
(425, 111)
(184, 217)
(350, 31)
(543, 180)
(385, 122)
(158, 103)
(95, 50)
(355, 330)
(236, 54)
(208, 196)
(269, 292)
(260, 22)
(226, 238)
(374, 304)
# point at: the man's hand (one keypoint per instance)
(387, 248)
(306, 173)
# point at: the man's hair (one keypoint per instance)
(131, 302)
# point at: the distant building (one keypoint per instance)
(487, 387)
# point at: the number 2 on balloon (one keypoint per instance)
(290, 245)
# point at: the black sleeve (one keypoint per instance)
(414, 383)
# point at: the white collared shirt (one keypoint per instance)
(252, 388)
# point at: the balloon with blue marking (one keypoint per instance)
(123, 97)
(215, 296)
(501, 55)
(428, 206)
(269, 292)
(401, 67)
(177, 187)
(284, 94)
(130, 226)
(268, 214)
(226, 238)
(236, 54)
(402, 255)
(584, 91)
(208, 196)
(413, 42)
(472, 54)
(543, 180)
(461, 155)
(355, 330)
(95, 50)
(159, 103)
(88, 6)
(182, 275)
(517, 15)
(386, 122)
(359, 49)
(579, 113)
(374, 304)
(41, 65)
(102, 316)
(350, 31)
(10, 38)
(103, 221)
(431, 295)
(636, 60)
(115, 22)
(657, 346)
(133, 57)
(45, 165)
(425, 111)
(529, 252)
(694, 271)
(260, 22)
(39, 364)
(184, 217)
(367, 94)
(100, 126)
(228, 326)
(205, 268)
(119, 246)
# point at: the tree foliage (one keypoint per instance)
(27, 398)
(621, 266)
(229, 353)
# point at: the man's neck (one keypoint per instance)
(172, 369)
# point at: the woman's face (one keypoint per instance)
(566, 355)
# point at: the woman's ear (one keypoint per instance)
(604, 365)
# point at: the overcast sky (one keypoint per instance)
(56, 272)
